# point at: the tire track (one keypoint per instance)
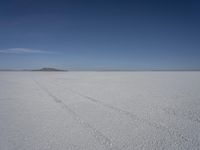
(179, 138)
(102, 139)
(7, 99)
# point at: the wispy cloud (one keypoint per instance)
(25, 51)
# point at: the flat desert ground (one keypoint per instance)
(100, 110)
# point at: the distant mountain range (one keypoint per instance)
(42, 69)
(48, 69)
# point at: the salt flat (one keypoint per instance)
(99, 110)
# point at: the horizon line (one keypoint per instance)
(96, 69)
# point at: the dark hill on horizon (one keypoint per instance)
(48, 69)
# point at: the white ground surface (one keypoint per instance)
(99, 110)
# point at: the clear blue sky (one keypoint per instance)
(115, 34)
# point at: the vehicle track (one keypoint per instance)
(6, 99)
(101, 138)
(179, 138)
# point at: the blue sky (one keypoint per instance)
(105, 34)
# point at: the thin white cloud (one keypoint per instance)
(24, 51)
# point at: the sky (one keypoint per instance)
(100, 34)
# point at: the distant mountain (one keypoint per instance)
(48, 69)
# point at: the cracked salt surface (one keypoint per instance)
(99, 110)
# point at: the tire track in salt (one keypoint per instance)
(102, 139)
(172, 133)
(7, 99)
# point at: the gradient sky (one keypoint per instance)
(106, 34)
